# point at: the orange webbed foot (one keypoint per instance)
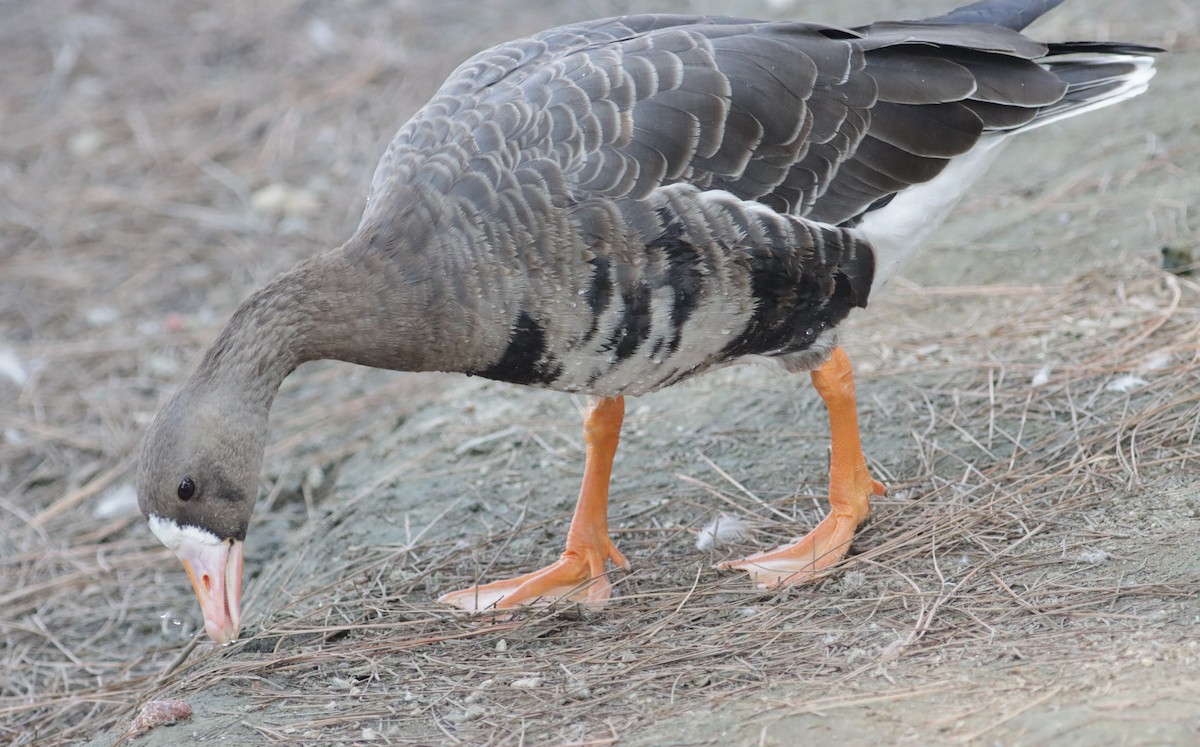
(807, 559)
(579, 575)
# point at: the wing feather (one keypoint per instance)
(817, 121)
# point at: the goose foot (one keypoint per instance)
(809, 558)
(579, 575)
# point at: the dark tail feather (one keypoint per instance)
(1012, 14)
(1106, 47)
(1096, 74)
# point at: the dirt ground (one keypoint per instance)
(1029, 390)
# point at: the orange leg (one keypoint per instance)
(850, 487)
(579, 574)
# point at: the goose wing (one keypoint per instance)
(811, 120)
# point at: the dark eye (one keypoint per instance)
(187, 489)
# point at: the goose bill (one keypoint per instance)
(216, 575)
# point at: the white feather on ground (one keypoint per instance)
(723, 530)
(11, 368)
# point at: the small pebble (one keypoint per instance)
(852, 580)
(470, 714)
(1126, 383)
(526, 683)
(314, 477)
(158, 713)
(577, 689)
(1156, 361)
(1041, 378)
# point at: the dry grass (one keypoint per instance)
(1035, 532)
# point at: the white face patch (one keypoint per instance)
(173, 535)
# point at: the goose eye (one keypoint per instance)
(187, 489)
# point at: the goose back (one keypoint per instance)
(615, 205)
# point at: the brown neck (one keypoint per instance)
(348, 304)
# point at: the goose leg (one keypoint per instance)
(850, 487)
(579, 573)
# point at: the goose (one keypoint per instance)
(612, 207)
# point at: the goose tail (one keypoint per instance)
(1097, 75)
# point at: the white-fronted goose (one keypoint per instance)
(612, 207)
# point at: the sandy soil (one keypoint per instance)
(1027, 392)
